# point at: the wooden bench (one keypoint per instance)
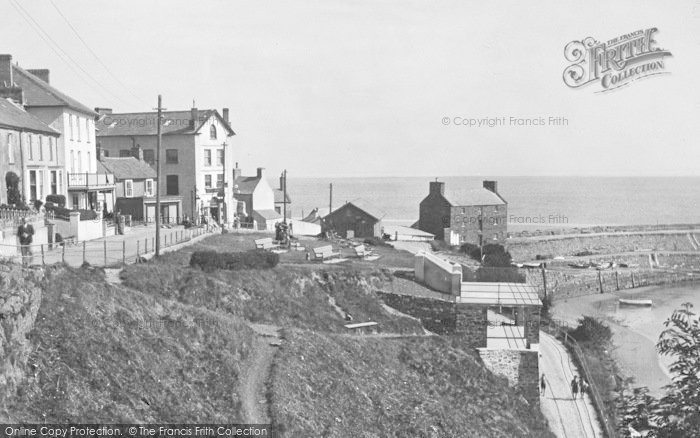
(361, 251)
(363, 327)
(265, 243)
(325, 253)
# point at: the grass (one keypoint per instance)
(108, 354)
(326, 385)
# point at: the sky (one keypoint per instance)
(361, 88)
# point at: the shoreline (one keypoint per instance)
(634, 351)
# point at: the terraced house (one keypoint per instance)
(196, 157)
(75, 148)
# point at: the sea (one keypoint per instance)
(533, 202)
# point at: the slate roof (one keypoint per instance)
(472, 197)
(127, 168)
(174, 122)
(267, 215)
(14, 117)
(406, 231)
(246, 185)
(41, 94)
(366, 206)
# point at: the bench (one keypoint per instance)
(325, 253)
(363, 327)
(361, 251)
(265, 243)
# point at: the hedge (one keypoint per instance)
(85, 215)
(59, 200)
(210, 261)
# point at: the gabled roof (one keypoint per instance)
(367, 207)
(479, 196)
(38, 93)
(14, 117)
(246, 184)
(174, 122)
(128, 168)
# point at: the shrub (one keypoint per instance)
(584, 253)
(85, 215)
(593, 330)
(496, 256)
(375, 241)
(473, 251)
(210, 261)
(59, 200)
(499, 275)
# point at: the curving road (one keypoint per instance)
(568, 418)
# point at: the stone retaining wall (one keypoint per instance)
(520, 367)
(20, 297)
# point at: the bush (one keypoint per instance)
(85, 215)
(473, 251)
(592, 330)
(585, 253)
(59, 200)
(375, 241)
(499, 275)
(496, 256)
(210, 261)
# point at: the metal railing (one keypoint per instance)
(102, 253)
(560, 330)
(90, 180)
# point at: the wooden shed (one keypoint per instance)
(354, 219)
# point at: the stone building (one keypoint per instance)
(477, 216)
(196, 155)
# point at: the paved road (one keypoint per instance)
(568, 418)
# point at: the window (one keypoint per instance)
(41, 184)
(80, 161)
(60, 181)
(70, 123)
(105, 153)
(171, 156)
(124, 153)
(41, 148)
(149, 156)
(207, 181)
(128, 188)
(54, 182)
(220, 157)
(220, 180)
(31, 147)
(207, 157)
(76, 201)
(212, 132)
(32, 185)
(52, 145)
(11, 148)
(72, 161)
(89, 163)
(77, 122)
(172, 185)
(149, 187)
(87, 129)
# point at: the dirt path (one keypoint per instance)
(256, 372)
(568, 418)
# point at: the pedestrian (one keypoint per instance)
(574, 387)
(25, 232)
(543, 384)
(584, 386)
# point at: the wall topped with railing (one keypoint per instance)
(90, 180)
(12, 217)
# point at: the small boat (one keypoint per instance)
(579, 265)
(645, 303)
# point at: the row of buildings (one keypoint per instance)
(476, 216)
(51, 144)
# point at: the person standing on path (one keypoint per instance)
(574, 387)
(584, 386)
(543, 385)
(25, 232)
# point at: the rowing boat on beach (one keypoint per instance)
(645, 303)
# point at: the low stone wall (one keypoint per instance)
(20, 297)
(520, 367)
(523, 249)
(569, 284)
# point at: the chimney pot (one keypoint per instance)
(41, 73)
(224, 114)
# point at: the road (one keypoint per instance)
(568, 418)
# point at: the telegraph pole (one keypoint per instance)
(224, 218)
(160, 116)
(330, 201)
(285, 194)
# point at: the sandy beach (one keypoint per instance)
(635, 330)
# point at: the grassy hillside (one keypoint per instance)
(288, 296)
(336, 386)
(107, 354)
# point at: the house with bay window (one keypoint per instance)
(75, 148)
(30, 167)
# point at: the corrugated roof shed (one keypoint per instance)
(505, 294)
(12, 116)
(128, 168)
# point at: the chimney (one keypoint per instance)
(194, 117)
(224, 114)
(41, 73)
(137, 152)
(260, 172)
(282, 181)
(6, 77)
(437, 187)
(491, 186)
(15, 94)
(98, 151)
(236, 172)
(102, 111)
